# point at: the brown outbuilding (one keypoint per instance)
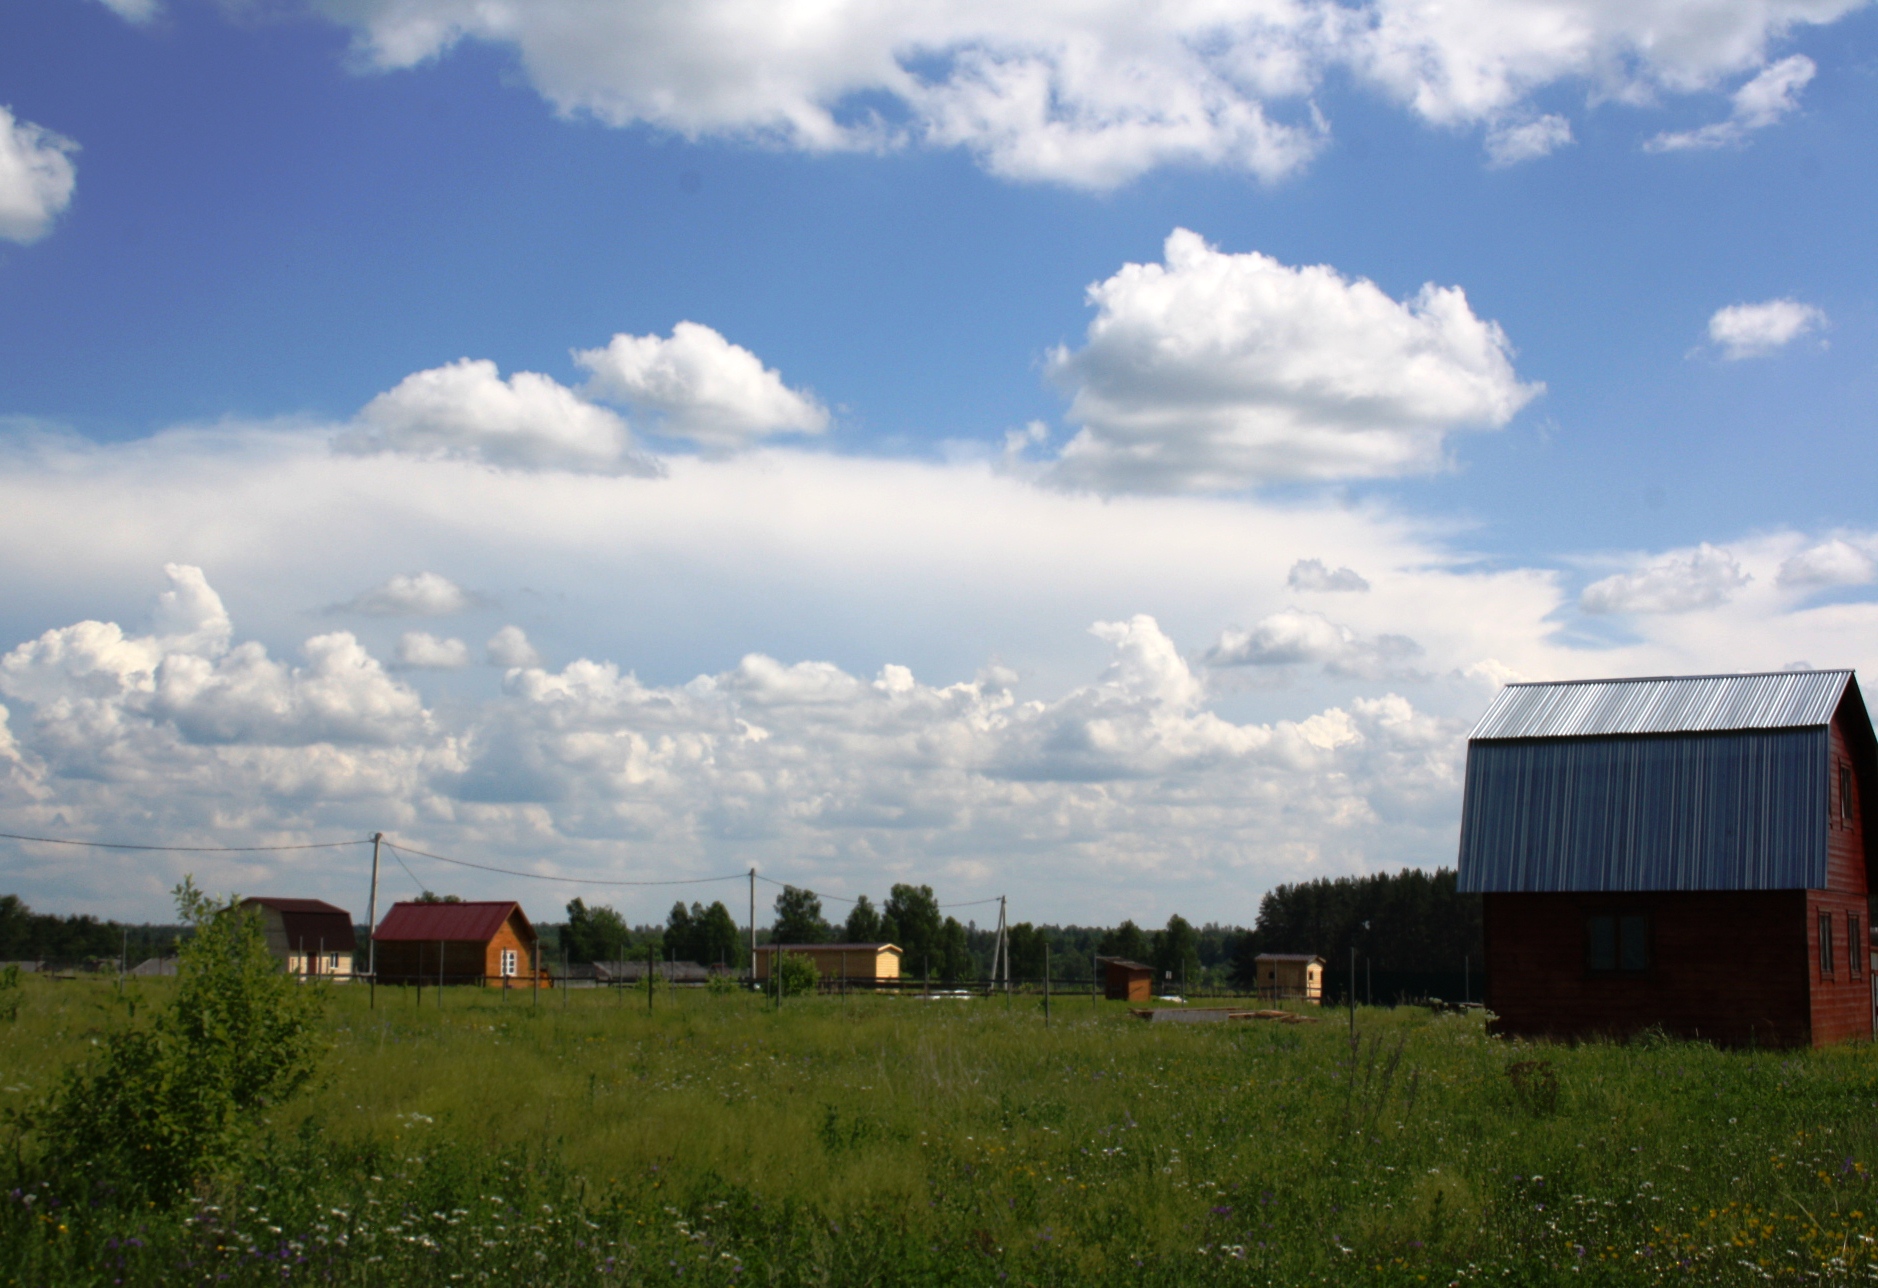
(457, 943)
(1126, 981)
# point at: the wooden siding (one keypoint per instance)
(1841, 1002)
(462, 961)
(1122, 983)
(835, 963)
(1729, 966)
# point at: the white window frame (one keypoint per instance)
(510, 963)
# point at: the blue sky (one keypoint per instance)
(273, 222)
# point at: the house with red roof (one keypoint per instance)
(486, 942)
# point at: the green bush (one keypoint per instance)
(797, 973)
(163, 1105)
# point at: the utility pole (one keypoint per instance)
(1353, 1000)
(371, 913)
(1046, 983)
(753, 928)
(648, 979)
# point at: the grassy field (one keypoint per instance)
(898, 1140)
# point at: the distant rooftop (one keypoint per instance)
(1665, 704)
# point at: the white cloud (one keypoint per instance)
(1830, 563)
(727, 705)
(91, 683)
(417, 594)
(510, 647)
(1510, 143)
(134, 11)
(422, 651)
(1086, 92)
(1679, 583)
(700, 386)
(1313, 574)
(1293, 637)
(36, 178)
(1216, 371)
(1755, 330)
(466, 411)
(1763, 101)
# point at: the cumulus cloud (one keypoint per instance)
(36, 178)
(1762, 102)
(134, 11)
(1313, 574)
(1216, 372)
(1830, 563)
(420, 650)
(1755, 330)
(1509, 144)
(1086, 92)
(700, 386)
(91, 684)
(1679, 583)
(417, 594)
(510, 647)
(466, 411)
(766, 757)
(1293, 637)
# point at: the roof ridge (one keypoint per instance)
(1659, 679)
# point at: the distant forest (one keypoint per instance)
(1414, 933)
(26, 935)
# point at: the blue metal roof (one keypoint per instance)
(1664, 704)
(1709, 811)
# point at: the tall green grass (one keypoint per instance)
(897, 1140)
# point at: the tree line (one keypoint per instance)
(26, 935)
(1415, 935)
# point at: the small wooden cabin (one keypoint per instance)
(1298, 976)
(489, 943)
(308, 936)
(1126, 981)
(1686, 853)
(856, 963)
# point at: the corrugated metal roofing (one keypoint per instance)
(311, 923)
(451, 922)
(1719, 811)
(1664, 704)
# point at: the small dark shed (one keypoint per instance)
(1126, 981)
(1685, 852)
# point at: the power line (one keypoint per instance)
(185, 849)
(973, 903)
(536, 876)
(785, 885)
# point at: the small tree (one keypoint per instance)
(165, 1105)
(797, 974)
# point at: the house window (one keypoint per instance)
(332, 963)
(1852, 927)
(1845, 793)
(508, 963)
(1617, 944)
(1825, 943)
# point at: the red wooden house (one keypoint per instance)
(1684, 853)
(457, 943)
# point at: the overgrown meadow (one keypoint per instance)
(717, 1140)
